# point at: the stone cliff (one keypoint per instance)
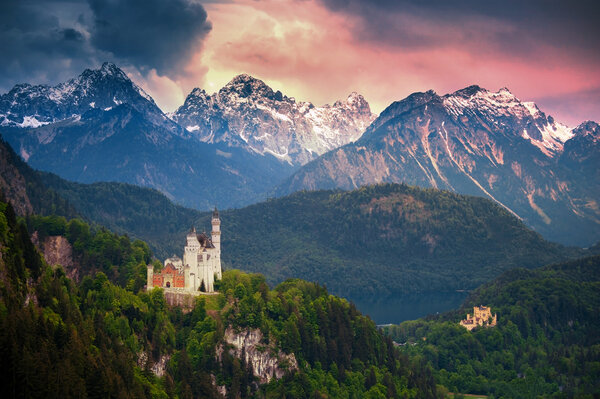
(267, 362)
(58, 251)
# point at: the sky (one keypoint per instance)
(546, 51)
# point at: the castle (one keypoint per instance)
(200, 266)
(481, 318)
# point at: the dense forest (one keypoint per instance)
(371, 243)
(546, 343)
(104, 336)
(377, 241)
(383, 240)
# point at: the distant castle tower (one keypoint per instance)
(200, 266)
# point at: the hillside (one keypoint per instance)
(546, 342)
(60, 339)
(25, 188)
(382, 240)
(374, 242)
(476, 142)
(371, 243)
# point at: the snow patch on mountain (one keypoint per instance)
(502, 109)
(27, 106)
(248, 113)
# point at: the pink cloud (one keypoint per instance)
(310, 52)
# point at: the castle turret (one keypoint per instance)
(216, 241)
(216, 230)
(150, 275)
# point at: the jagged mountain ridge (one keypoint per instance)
(247, 113)
(101, 126)
(28, 106)
(122, 145)
(476, 142)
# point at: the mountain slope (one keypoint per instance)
(25, 189)
(59, 339)
(480, 143)
(107, 87)
(249, 114)
(101, 127)
(369, 244)
(545, 343)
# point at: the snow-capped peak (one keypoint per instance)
(503, 109)
(94, 88)
(247, 112)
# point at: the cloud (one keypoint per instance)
(47, 41)
(150, 34)
(35, 44)
(514, 26)
(387, 51)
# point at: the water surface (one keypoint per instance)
(399, 309)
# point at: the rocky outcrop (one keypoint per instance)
(267, 362)
(58, 251)
(182, 300)
(158, 368)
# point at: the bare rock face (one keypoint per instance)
(267, 362)
(182, 300)
(160, 367)
(58, 251)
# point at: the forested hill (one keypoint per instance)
(124, 208)
(59, 339)
(382, 240)
(25, 187)
(546, 342)
(369, 243)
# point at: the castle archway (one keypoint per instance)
(168, 284)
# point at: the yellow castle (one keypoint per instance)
(482, 317)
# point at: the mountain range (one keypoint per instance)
(481, 143)
(247, 142)
(101, 126)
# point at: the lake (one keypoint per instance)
(399, 309)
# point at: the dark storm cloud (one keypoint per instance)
(46, 41)
(35, 45)
(509, 25)
(161, 34)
